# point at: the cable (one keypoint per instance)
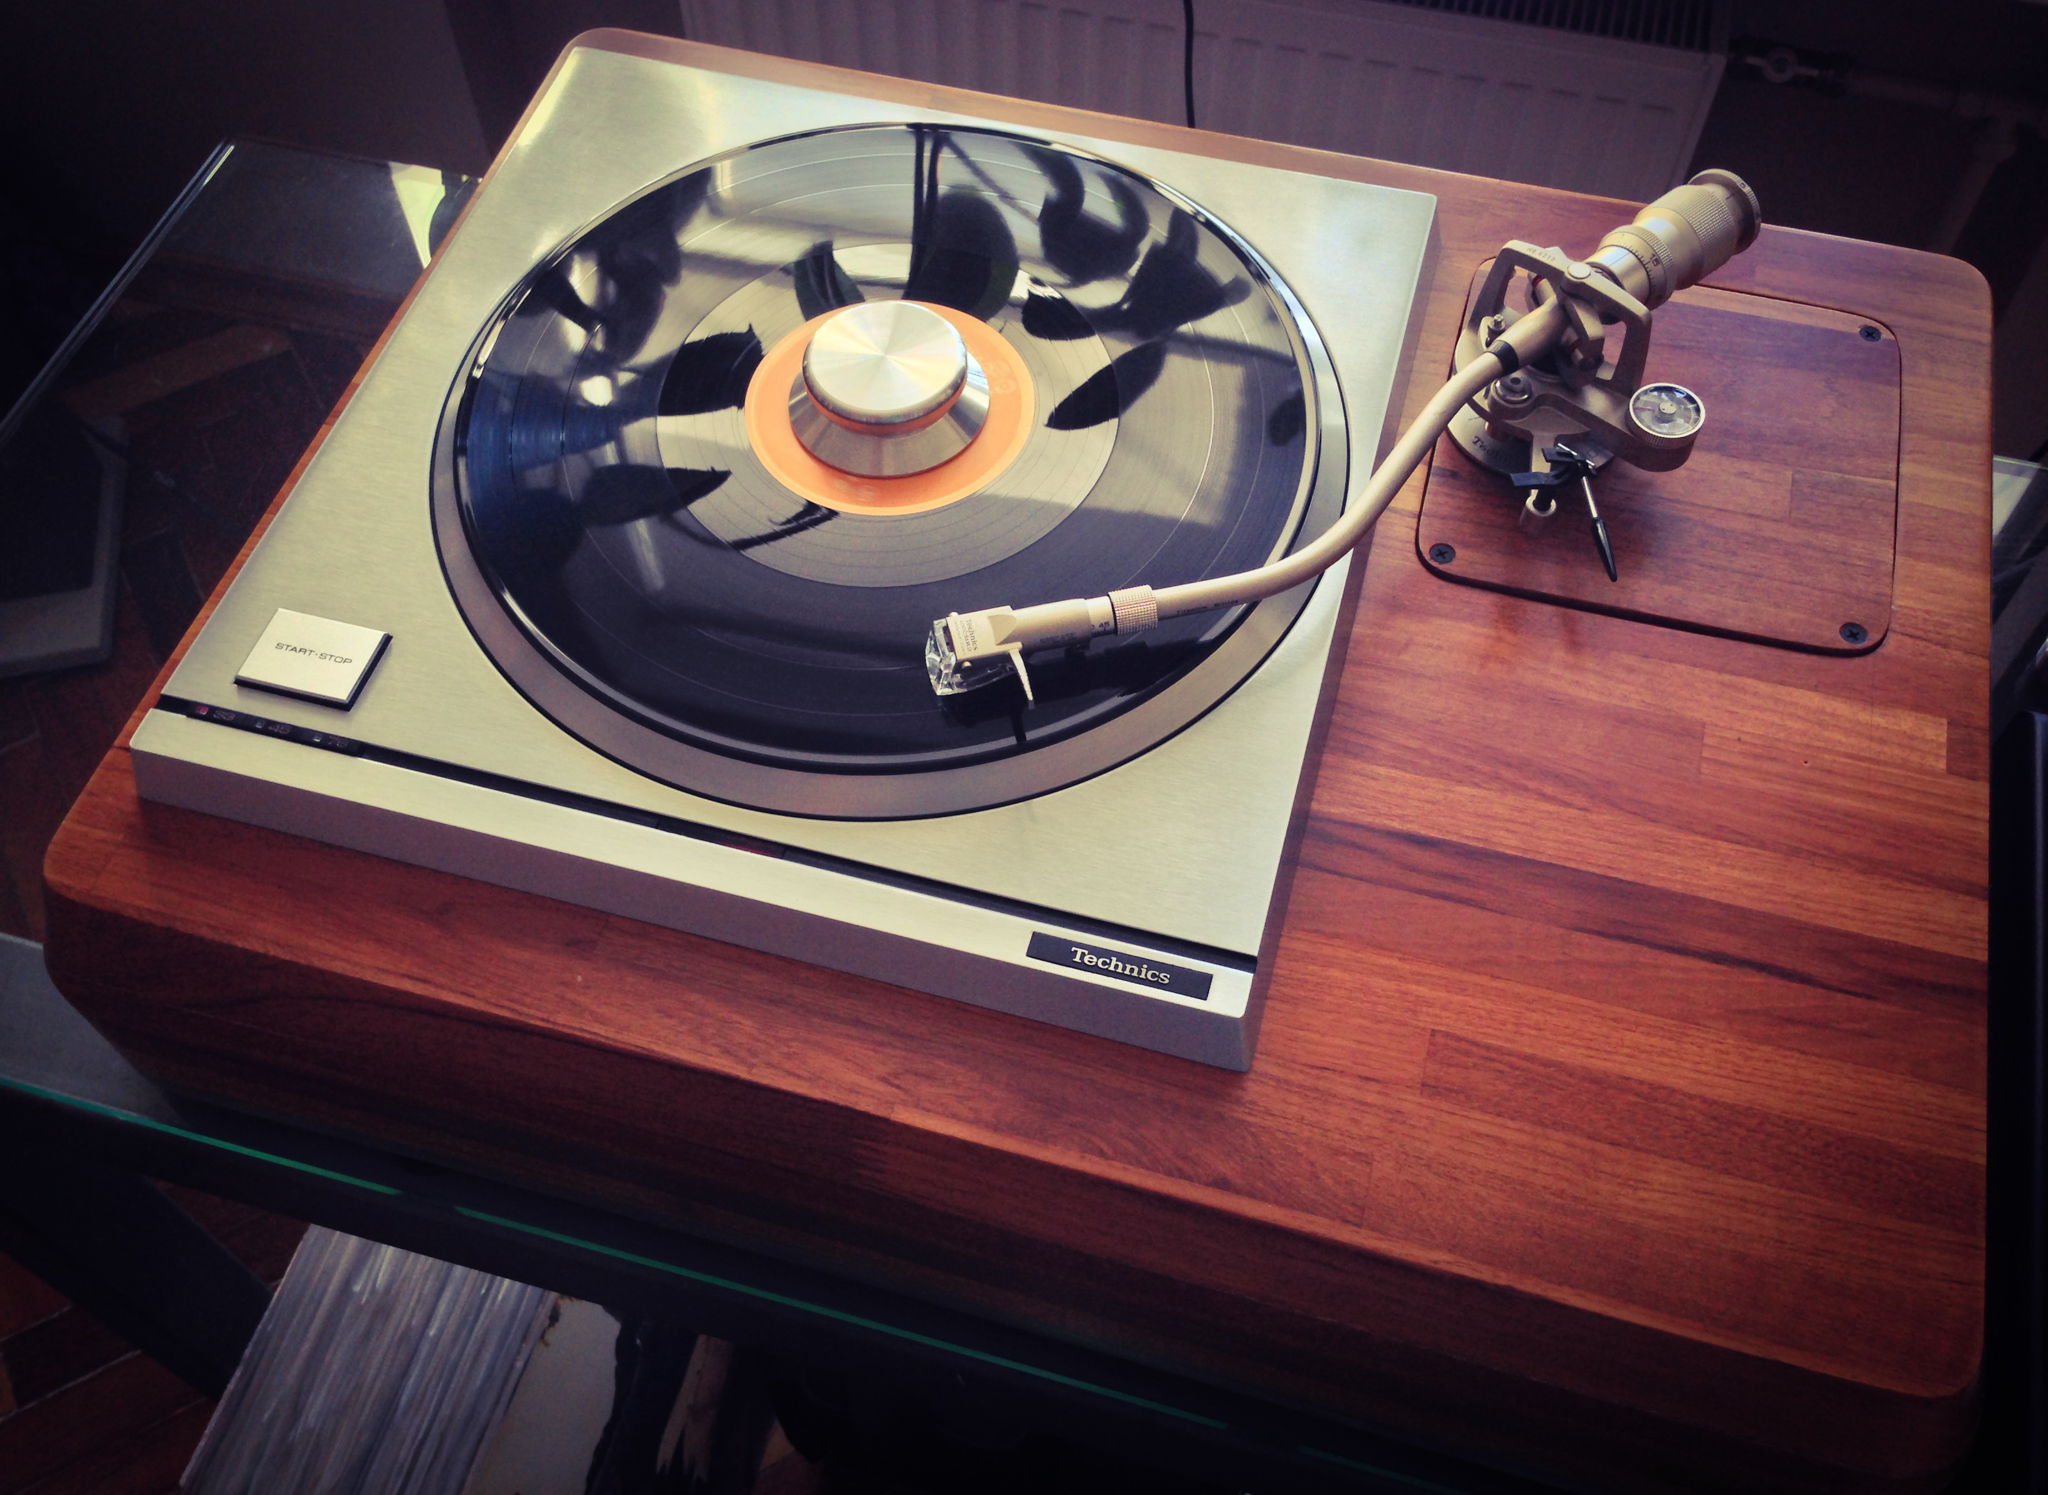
(1187, 58)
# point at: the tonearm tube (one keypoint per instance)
(1542, 393)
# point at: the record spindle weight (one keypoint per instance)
(887, 389)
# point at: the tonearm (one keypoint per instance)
(1545, 394)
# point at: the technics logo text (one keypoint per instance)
(1120, 965)
(1083, 956)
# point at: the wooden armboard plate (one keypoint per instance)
(1782, 528)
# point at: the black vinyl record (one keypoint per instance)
(634, 566)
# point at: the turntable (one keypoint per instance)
(1618, 1115)
(613, 580)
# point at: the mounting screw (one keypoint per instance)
(1854, 633)
(1869, 334)
(1443, 554)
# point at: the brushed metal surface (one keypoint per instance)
(1204, 814)
(867, 926)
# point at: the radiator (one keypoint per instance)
(1603, 96)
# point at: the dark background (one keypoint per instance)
(110, 105)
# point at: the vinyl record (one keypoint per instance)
(703, 600)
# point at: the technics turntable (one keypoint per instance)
(1624, 1063)
(613, 579)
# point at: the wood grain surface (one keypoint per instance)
(1781, 526)
(1619, 1110)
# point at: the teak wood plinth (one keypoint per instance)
(1619, 1110)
